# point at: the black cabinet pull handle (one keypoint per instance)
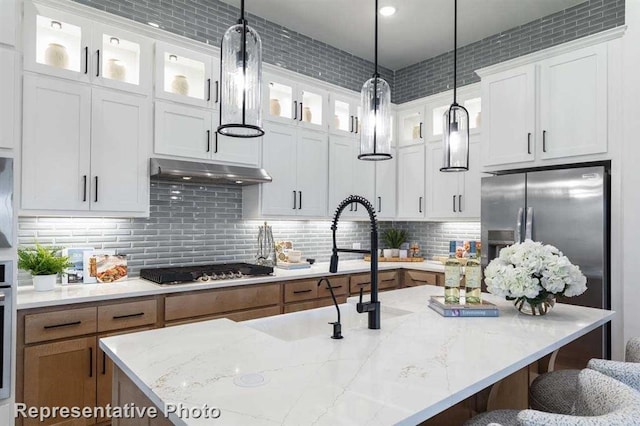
(84, 188)
(208, 89)
(139, 314)
(356, 129)
(215, 150)
(355, 207)
(351, 125)
(300, 111)
(96, 197)
(104, 363)
(460, 203)
(544, 141)
(295, 110)
(300, 201)
(86, 59)
(351, 207)
(454, 203)
(295, 199)
(98, 62)
(217, 91)
(528, 143)
(420, 205)
(90, 362)
(208, 140)
(301, 291)
(379, 204)
(420, 134)
(66, 324)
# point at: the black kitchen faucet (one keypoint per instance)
(373, 306)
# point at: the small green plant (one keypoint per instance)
(42, 260)
(394, 238)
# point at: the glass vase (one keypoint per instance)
(535, 306)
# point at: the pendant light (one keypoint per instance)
(241, 81)
(375, 98)
(455, 132)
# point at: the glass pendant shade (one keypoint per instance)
(241, 82)
(455, 133)
(375, 132)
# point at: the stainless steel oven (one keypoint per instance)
(6, 318)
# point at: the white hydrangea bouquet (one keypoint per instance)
(532, 274)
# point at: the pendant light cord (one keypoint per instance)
(455, 48)
(375, 54)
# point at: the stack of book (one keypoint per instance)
(484, 309)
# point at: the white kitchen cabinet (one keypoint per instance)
(190, 132)
(411, 180)
(508, 131)
(8, 98)
(349, 176)
(119, 155)
(64, 45)
(297, 161)
(453, 195)
(187, 76)
(573, 103)
(291, 102)
(344, 115)
(411, 125)
(386, 192)
(8, 19)
(83, 149)
(437, 105)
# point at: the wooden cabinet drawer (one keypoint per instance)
(126, 315)
(340, 286)
(301, 290)
(59, 325)
(218, 301)
(303, 306)
(234, 316)
(416, 278)
(386, 280)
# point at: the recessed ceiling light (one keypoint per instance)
(186, 177)
(387, 10)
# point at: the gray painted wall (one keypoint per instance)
(191, 223)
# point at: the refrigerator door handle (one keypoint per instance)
(519, 225)
(529, 224)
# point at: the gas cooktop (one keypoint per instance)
(203, 273)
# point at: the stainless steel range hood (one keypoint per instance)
(190, 171)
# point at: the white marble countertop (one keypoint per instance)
(80, 293)
(416, 366)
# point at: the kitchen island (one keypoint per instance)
(286, 369)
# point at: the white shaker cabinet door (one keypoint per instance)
(7, 98)
(411, 180)
(119, 153)
(341, 172)
(56, 144)
(183, 131)
(573, 103)
(279, 197)
(469, 204)
(312, 164)
(385, 200)
(245, 151)
(508, 105)
(443, 188)
(364, 179)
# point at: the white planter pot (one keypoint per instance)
(387, 253)
(403, 254)
(44, 282)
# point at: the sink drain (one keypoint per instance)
(250, 380)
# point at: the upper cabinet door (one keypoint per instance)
(122, 60)
(186, 76)
(56, 145)
(411, 126)
(279, 100)
(312, 107)
(244, 151)
(343, 115)
(312, 164)
(508, 100)
(183, 131)
(573, 103)
(443, 188)
(8, 19)
(120, 135)
(341, 170)
(7, 99)
(411, 180)
(280, 196)
(385, 200)
(470, 190)
(57, 43)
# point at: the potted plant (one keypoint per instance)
(44, 264)
(393, 238)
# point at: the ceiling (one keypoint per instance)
(420, 29)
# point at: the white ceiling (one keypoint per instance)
(419, 30)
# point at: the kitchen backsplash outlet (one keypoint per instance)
(191, 223)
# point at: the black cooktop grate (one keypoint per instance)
(184, 274)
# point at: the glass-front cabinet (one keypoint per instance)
(290, 102)
(187, 76)
(468, 97)
(65, 45)
(411, 126)
(344, 115)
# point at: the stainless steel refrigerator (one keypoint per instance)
(568, 208)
